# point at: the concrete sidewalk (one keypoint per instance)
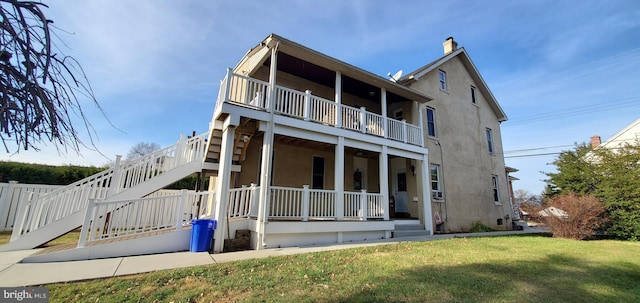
(16, 274)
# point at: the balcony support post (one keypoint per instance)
(307, 105)
(339, 179)
(338, 98)
(363, 120)
(385, 123)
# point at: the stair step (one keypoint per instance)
(410, 227)
(409, 233)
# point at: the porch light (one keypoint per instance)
(413, 169)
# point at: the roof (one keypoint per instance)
(628, 134)
(471, 68)
(258, 55)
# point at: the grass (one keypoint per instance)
(498, 269)
(71, 237)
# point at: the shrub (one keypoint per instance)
(478, 227)
(574, 217)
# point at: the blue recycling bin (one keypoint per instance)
(201, 234)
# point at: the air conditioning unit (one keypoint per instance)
(437, 195)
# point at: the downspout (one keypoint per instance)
(446, 216)
(267, 155)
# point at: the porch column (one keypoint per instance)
(222, 185)
(384, 180)
(423, 180)
(420, 107)
(267, 155)
(383, 106)
(338, 99)
(384, 183)
(339, 179)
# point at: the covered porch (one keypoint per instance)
(326, 147)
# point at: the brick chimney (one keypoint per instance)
(595, 141)
(449, 45)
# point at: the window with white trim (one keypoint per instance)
(431, 122)
(442, 76)
(474, 99)
(489, 133)
(435, 177)
(496, 192)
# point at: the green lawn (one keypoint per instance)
(490, 269)
(71, 237)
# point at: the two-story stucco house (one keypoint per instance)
(462, 134)
(302, 149)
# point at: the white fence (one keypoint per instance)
(12, 194)
(117, 219)
(303, 105)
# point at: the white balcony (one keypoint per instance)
(246, 91)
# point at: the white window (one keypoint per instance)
(490, 139)
(474, 99)
(496, 192)
(435, 177)
(431, 122)
(443, 80)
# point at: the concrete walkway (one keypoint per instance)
(16, 274)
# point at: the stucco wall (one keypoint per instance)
(462, 152)
(293, 167)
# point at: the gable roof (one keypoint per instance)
(471, 68)
(623, 136)
(259, 54)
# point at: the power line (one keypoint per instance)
(581, 110)
(533, 155)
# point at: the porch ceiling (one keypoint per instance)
(315, 145)
(315, 73)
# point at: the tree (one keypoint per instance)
(39, 88)
(142, 149)
(575, 173)
(522, 196)
(612, 175)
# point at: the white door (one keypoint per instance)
(399, 184)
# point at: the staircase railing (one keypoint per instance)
(72, 198)
(139, 170)
(135, 217)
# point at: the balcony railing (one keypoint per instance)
(253, 93)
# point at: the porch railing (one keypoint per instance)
(125, 218)
(241, 201)
(305, 203)
(303, 105)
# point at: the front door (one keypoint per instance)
(400, 196)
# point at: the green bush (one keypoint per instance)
(479, 227)
(45, 174)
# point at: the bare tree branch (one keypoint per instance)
(39, 89)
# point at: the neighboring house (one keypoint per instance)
(628, 135)
(304, 149)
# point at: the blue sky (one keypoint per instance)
(562, 70)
